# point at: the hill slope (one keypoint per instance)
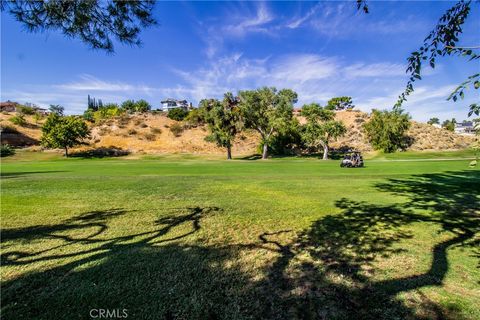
(150, 133)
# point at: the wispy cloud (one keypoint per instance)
(240, 23)
(375, 70)
(91, 83)
(315, 78)
(248, 24)
(299, 20)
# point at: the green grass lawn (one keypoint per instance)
(184, 237)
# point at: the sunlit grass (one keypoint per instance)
(194, 237)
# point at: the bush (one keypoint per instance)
(6, 150)
(136, 106)
(155, 130)
(37, 117)
(27, 110)
(195, 117)
(177, 114)
(19, 120)
(150, 136)
(176, 129)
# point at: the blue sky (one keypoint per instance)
(203, 49)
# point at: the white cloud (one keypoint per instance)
(298, 21)
(253, 23)
(91, 83)
(374, 70)
(240, 23)
(315, 78)
(303, 68)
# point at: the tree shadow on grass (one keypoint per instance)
(11, 175)
(328, 272)
(110, 152)
(324, 272)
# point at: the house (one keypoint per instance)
(41, 111)
(466, 127)
(170, 104)
(9, 106)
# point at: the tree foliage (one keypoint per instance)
(386, 129)
(267, 111)
(433, 121)
(63, 132)
(177, 114)
(449, 124)
(57, 109)
(442, 41)
(96, 23)
(340, 103)
(132, 106)
(224, 119)
(321, 127)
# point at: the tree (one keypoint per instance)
(386, 129)
(128, 105)
(57, 109)
(63, 132)
(96, 23)
(321, 127)
(142, 106)
(442, 41)
(136, 106)
(340, 103)
(267, 111)
(224, 121)
(449, 124)
(433, 121)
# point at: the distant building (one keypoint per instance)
(465, 127)
(9, 106)
(436, 125)
(41, 111)
(170, 104)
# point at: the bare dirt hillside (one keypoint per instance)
(151, 133)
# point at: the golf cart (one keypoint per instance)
(352, 160)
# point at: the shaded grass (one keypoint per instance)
(194, 238)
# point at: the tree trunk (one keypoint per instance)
(265, 151)
(229, 153)
(66, 152)
(325, 151)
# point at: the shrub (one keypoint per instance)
(150, 136)
(195, 117)
(6, 150)
(19, 120)
(37, 117)
(155, 130)
(27, 110)
(8, 129)
(124, 119)
(176, 129)
(177, 114)
(104, 131)
(136, 106)
(132, 132)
